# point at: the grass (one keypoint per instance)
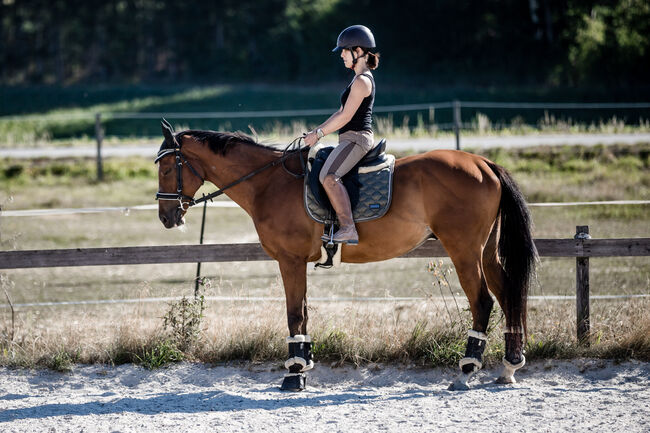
(418, 332)
(563, 173)
(159, 354)
(39, 116)
(411, 333)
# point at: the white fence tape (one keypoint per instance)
(282, 299)
(240, 114)
(590, 203)
(231, 204)
(123, 209)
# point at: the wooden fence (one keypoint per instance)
(581, 247)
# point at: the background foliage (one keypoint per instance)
(550, 42)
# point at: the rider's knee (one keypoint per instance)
(329, 180)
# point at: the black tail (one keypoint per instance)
(517, 250)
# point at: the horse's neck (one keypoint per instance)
(237, 163)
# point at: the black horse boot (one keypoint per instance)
(300, 360)
(472, 362)
(514, 358)
(338, 195)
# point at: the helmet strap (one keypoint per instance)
(355, 58)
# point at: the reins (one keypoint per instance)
(180, 159)
(286, 153)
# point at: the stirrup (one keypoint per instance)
(329, 238)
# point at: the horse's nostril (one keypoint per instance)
(163, 219)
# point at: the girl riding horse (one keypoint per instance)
(354, 123)
(469, 203)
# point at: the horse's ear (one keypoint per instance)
(168, 133)
(166, 123)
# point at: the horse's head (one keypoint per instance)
(178, 180)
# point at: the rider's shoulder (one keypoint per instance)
(363, 81)
(364, 78)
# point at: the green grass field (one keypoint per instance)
(37, 116)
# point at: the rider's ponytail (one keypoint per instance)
(373, 60)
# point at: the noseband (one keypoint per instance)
(190, 201)
(179, 196)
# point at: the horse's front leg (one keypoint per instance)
(294, 277)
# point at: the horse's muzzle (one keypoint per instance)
(172, 218)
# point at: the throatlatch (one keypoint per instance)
(300, 360)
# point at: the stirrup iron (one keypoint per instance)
(330, 237)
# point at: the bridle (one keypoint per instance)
(185, 201)
(180, 159)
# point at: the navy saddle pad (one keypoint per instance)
(369, 185)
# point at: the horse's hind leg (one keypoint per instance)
(467, 260)
(294, 278)
(514, 358)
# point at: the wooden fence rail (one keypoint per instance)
(254, 252)
(581, 247)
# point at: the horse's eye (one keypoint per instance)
(166, 171)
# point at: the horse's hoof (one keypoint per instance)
(458, 385)
(293, 382)
(508, 373)
(505, 380)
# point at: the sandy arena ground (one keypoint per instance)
(581, 395)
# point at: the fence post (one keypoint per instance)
(99, 134)
(582, 289)
(457, 122)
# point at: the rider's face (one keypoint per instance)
(346, 55)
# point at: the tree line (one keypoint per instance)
(502, 42)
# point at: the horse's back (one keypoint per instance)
(459, 172)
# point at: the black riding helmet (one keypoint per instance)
(355, 36)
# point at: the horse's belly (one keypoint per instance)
(379, 243)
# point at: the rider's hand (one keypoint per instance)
(311, 138)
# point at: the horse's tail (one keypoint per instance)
(517, 251)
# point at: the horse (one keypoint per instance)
(470, 204)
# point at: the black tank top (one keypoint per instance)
(362, 119)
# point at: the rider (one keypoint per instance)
(354, 123)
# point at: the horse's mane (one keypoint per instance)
(221, 142)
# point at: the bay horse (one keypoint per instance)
(469, 203)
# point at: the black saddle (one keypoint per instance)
(377, 152)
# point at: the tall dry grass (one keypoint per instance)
(412, 333)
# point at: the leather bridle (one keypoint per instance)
(179, 196)
(185, 201)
